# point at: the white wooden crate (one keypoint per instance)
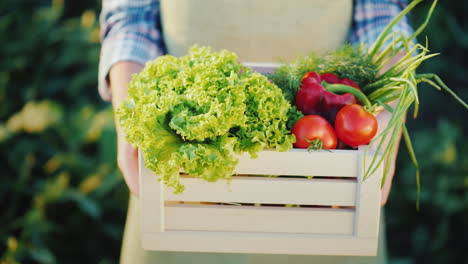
(338, 212)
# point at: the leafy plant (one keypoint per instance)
(57, 141)
(199, 111)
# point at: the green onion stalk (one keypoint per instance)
(399, 83)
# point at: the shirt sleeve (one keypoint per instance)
(372, 16)
(130, 31)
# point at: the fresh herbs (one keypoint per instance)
(198, 112)
(346, 62)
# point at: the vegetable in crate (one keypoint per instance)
(365, 65)
(355, 126)
(315, 96)
(314, 132)
(198, 112)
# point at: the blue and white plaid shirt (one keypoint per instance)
(130, 30)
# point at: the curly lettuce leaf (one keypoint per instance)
(199, 112)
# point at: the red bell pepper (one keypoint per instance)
(332, 103)
(316, 95)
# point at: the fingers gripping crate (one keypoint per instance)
(334, 214)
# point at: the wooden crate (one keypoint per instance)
(338, 212)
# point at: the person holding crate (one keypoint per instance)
(134, 32)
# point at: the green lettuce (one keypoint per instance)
(197, 113)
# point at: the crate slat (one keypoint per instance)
(338, 163)
(368, 200)
(259, 219)
(152, 196)
(263, 243)
(268, 190)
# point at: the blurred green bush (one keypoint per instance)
(62, 199)
(438, 233)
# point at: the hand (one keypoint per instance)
(383, 118)
(127, 156)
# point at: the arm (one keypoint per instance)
(372, 16)
(130, 37)
(369, 19)
(127, 156)
(383, 119)
(129, 32)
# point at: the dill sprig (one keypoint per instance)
(288, 76)
(346, 62)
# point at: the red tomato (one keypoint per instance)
(355, 126)
(312, 127)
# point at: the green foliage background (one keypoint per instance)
(62, 199)
(438, 233)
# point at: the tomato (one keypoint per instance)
(313, 128)
(355, 126)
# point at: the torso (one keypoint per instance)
(257, 30)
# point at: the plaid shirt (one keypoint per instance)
(130, 30)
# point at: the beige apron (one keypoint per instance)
(258, 31)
